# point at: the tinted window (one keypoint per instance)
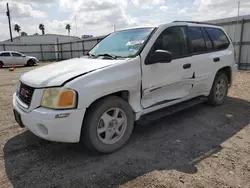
(218, 37)
(6, 54)
(173, 40)
(208, 41)
(16, 54)
(196, 39)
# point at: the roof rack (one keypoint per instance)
(196, 22)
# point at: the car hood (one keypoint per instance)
(57, 73)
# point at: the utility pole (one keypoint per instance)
(8, 14)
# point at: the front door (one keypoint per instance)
(18, 58)
(167, 82)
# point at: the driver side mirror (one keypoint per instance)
(23, 55)
(159, 56)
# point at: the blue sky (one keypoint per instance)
(98, 17)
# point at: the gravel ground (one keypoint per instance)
(203, 146)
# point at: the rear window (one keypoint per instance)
(5, 54)
(218, 37)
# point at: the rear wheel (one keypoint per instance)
(1, 64)
(108, 125)
(219, 90)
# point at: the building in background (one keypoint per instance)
(43, 39)
(86, 36)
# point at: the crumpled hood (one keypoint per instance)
(58, 73)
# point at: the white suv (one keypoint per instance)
(97, 98)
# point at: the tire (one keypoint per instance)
(30, 63)
(96, 116)
(1, 64)
(219, 90)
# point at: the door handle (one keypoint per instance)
(187, 66)
(216, 59)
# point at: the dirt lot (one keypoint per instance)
(200, 147)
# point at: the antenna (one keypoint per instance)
(236, 25)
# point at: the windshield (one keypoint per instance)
(122, 43)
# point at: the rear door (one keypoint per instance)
(6, 58)
(209, 52)
(202, 59)
(166, 82)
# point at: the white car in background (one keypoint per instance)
(16, 58)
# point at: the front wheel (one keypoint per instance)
(1, 64)
(219, 90)
(108, 124)
(31, 62)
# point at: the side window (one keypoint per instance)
(5, 54)
(16, 54)
(218, 37)
(196, 39)
(174, 40)
(208, 41)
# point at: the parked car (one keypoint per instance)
(10, 57)
(97, 98)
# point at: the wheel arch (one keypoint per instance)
(228, 71)
(30, 59)
(124, 94)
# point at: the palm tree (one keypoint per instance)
(17, 28)
(68, 27)
(41, 27)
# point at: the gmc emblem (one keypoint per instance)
(24, 93)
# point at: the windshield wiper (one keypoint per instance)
(108, 55)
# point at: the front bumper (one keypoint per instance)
(42, 122)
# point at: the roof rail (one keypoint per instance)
(195, 22)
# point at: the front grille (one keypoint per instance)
(25, 93)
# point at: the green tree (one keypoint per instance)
(24, 33)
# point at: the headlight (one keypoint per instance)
(59, 98)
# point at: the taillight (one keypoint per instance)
(235, 55)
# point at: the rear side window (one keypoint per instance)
(218, 37)
(5, 54)
(208, 41)
(196, 39)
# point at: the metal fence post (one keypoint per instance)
(71, 53)
(57, 49)
(240, 43)
(83, 47)
(41, 47)
(61, 52)
(4, 49)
